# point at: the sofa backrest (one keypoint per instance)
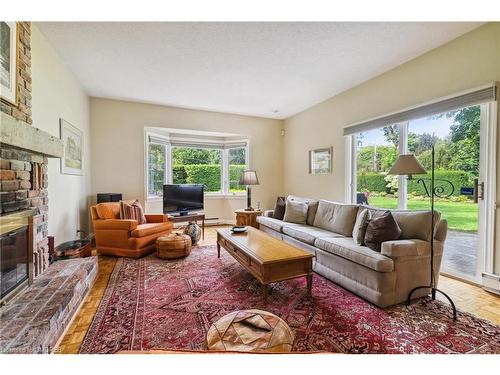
(336, 217)
(413, 224)
(341, 217)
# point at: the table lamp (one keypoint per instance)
(248, 178)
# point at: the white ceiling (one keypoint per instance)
(263, 69)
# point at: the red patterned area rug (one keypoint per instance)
(152, 303)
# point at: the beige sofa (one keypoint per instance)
(383, 278)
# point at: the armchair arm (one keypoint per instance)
(156, 218)
(115, 224)
(404, 248)
(268, 213)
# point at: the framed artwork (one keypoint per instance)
(8, 61)
(72, 137)
(320, 161)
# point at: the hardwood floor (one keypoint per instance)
(467, 297)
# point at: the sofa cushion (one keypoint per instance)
(270, 222)
(415, 224)
(346, 248)
(336, 217)
(381, 229)
(311, 211)
(307, 233)
(108, 210)
(144, 230)
(296, 212)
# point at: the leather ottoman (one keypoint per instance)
(173, 245)
(250, 331)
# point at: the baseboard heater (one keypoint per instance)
(208, 221)
(491, 283)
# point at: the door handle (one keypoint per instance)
(478, 190)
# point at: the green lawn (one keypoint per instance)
(460, 216)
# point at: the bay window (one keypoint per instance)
(213, 163)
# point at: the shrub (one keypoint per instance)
(375, 182)
(457, 178)
(179, 175)
(208, 174)
(234, 176)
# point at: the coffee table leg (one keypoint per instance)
(309, 284)
(218, 250)
(264, 292)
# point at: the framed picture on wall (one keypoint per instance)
(8, 61)
(320, 161)
(72, 137)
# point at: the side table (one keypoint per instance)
(248, 218)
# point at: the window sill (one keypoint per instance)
(207, 196)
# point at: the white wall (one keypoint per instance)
(57, 94)
(118, 149)
(464, 63)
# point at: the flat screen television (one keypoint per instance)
(182, 198)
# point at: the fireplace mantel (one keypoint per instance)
(25, 136)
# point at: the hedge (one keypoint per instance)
(208, 174)
(375, 182)
(370, 181)
(234, 176)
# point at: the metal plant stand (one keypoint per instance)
(440, 192)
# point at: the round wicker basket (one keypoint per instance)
(174, 245)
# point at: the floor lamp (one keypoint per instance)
(408, 165)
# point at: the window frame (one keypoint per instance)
(153, 138)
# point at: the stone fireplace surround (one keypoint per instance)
(24, 152)
(33, 320)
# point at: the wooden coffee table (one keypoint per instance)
(268, 259)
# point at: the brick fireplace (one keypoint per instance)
(23, 185)
(37, 309)
(24, 153)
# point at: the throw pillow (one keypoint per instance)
(359, 230)
(295, 212)
(311, 211)
(279, 209)
(122, 204)
(381, 229)
(132, 211)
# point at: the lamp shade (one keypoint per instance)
(407, 165)
(248, 177)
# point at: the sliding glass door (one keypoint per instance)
(456, 136)
(460, 158)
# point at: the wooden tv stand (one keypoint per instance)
(190, 217)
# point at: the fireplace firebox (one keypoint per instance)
(16, 253)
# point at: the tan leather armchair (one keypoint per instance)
(127, 238)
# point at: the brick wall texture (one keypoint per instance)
(23, 174)
(22, 109)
